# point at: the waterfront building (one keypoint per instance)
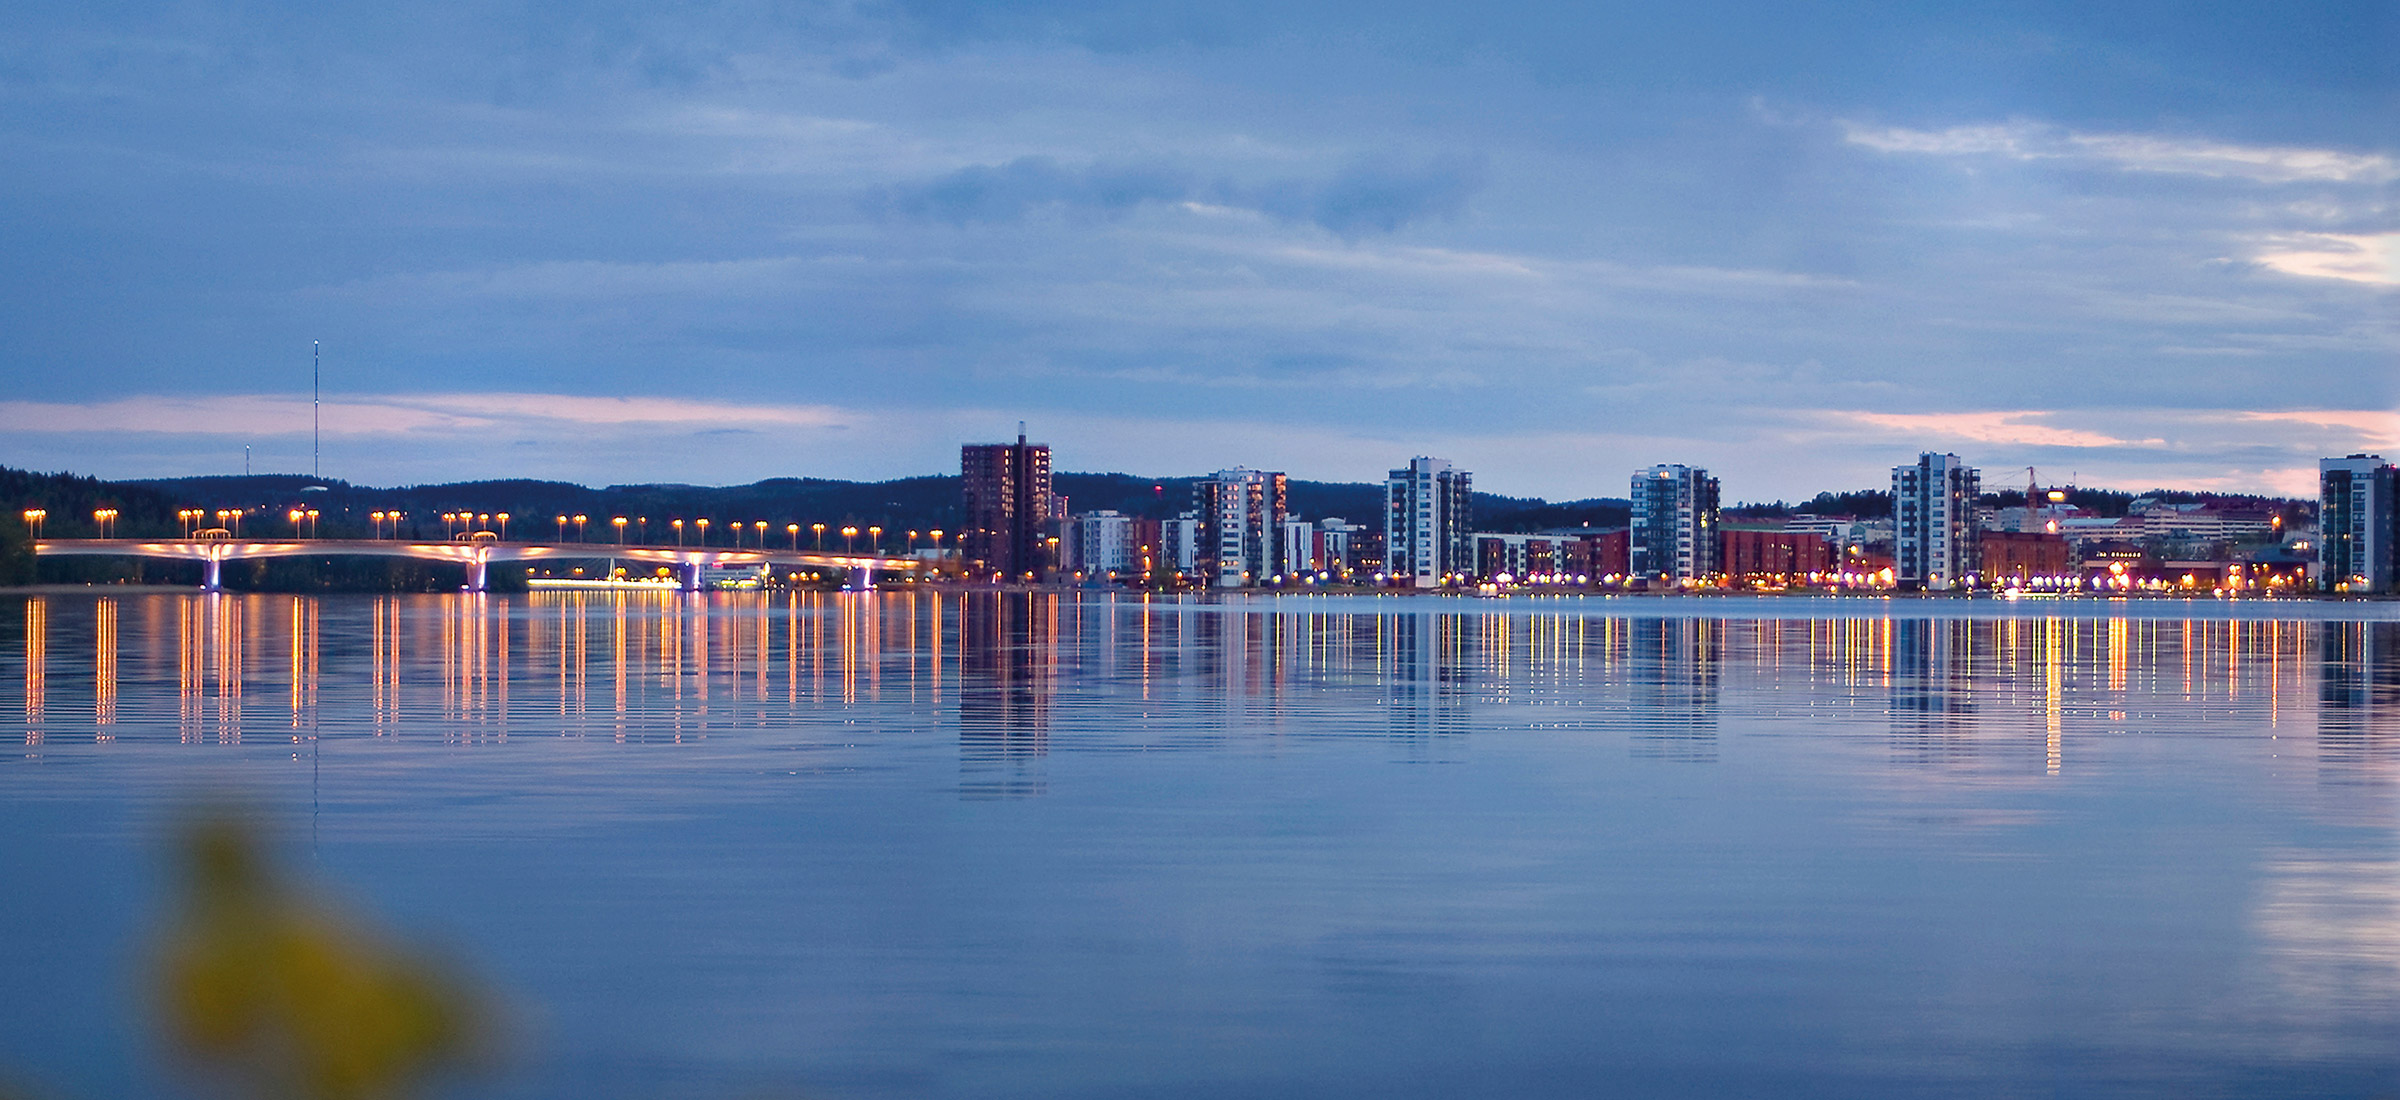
(1428, 509)
(1104, 544)
(1674, 524)
(1179, 543)
(1296, 548)
(2024, 557)
(1773, 553)
(1008, 506)
(2356, 538)
(1933, 514)
(1338, 543)
(1241, 519)
(1555, 557)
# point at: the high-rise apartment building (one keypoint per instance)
(1674, 534)
(1296, 548)
(1241, 514)
(1008, 502)
(1179, 542)
(2358, 544)
(1104, 545)
(1428, 520)
(1934, 544)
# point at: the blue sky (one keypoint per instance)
(2152, 244)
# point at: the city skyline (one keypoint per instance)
(2133, 248)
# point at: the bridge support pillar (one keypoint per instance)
(862, 578)
(478, 572)
(687, 575)
(212, 574)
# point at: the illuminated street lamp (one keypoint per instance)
(562, 528)
(875, 539)
(503, 518)
(794, 528)
(819, 528)
(678, 532)
(296, 515)
(33, 520)
(703, 525)
(848, 533)
(761, 527)
(312, 523)
(376, 529)
(912, 544)
(643, 525)
(579, 522)
(102, 517)
(619, 524)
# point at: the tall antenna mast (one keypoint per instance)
(316, 415)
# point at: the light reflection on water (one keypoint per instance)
(1060, 845)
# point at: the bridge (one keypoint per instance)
(475, 556)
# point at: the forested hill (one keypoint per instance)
(149, 506)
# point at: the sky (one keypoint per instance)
(2130, 245)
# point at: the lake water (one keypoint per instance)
(908, 844)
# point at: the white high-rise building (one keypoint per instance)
(1674, 523)
(1241, 516)
(1933, 522)
(1104, 544)
(2355, 524)
(1296, 548)
(1428, 523)
(1179, 541)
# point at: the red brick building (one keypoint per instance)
(2023, 555)
(1765, 552)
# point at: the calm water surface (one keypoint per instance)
(1012, 845)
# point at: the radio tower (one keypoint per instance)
(316, 416)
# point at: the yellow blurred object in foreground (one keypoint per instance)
(283, 998)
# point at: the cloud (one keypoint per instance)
(2018, 428)
(251, 415)
(1377, 195)
(2360, 259)
(2340, 429)
(1371, 195)
(1011, 191)
(2133, 152)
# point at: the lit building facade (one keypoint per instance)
(1933, 515)
(1241, 518)
(2356, 536)
(1104, 544)
(1008, 504)
(1674, 534)
(1428, 513)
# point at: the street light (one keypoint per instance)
(703, 525)
(678, 532)
(761, 526)
(296, 515)
(848, 533)
(794, 528)
(643, 522)
(34, 518)
(875, 538)
(312, 523)
(819, 528)
(619, 524)
(102, 517)
(503, 518)
(579, 521)
(562, 528)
